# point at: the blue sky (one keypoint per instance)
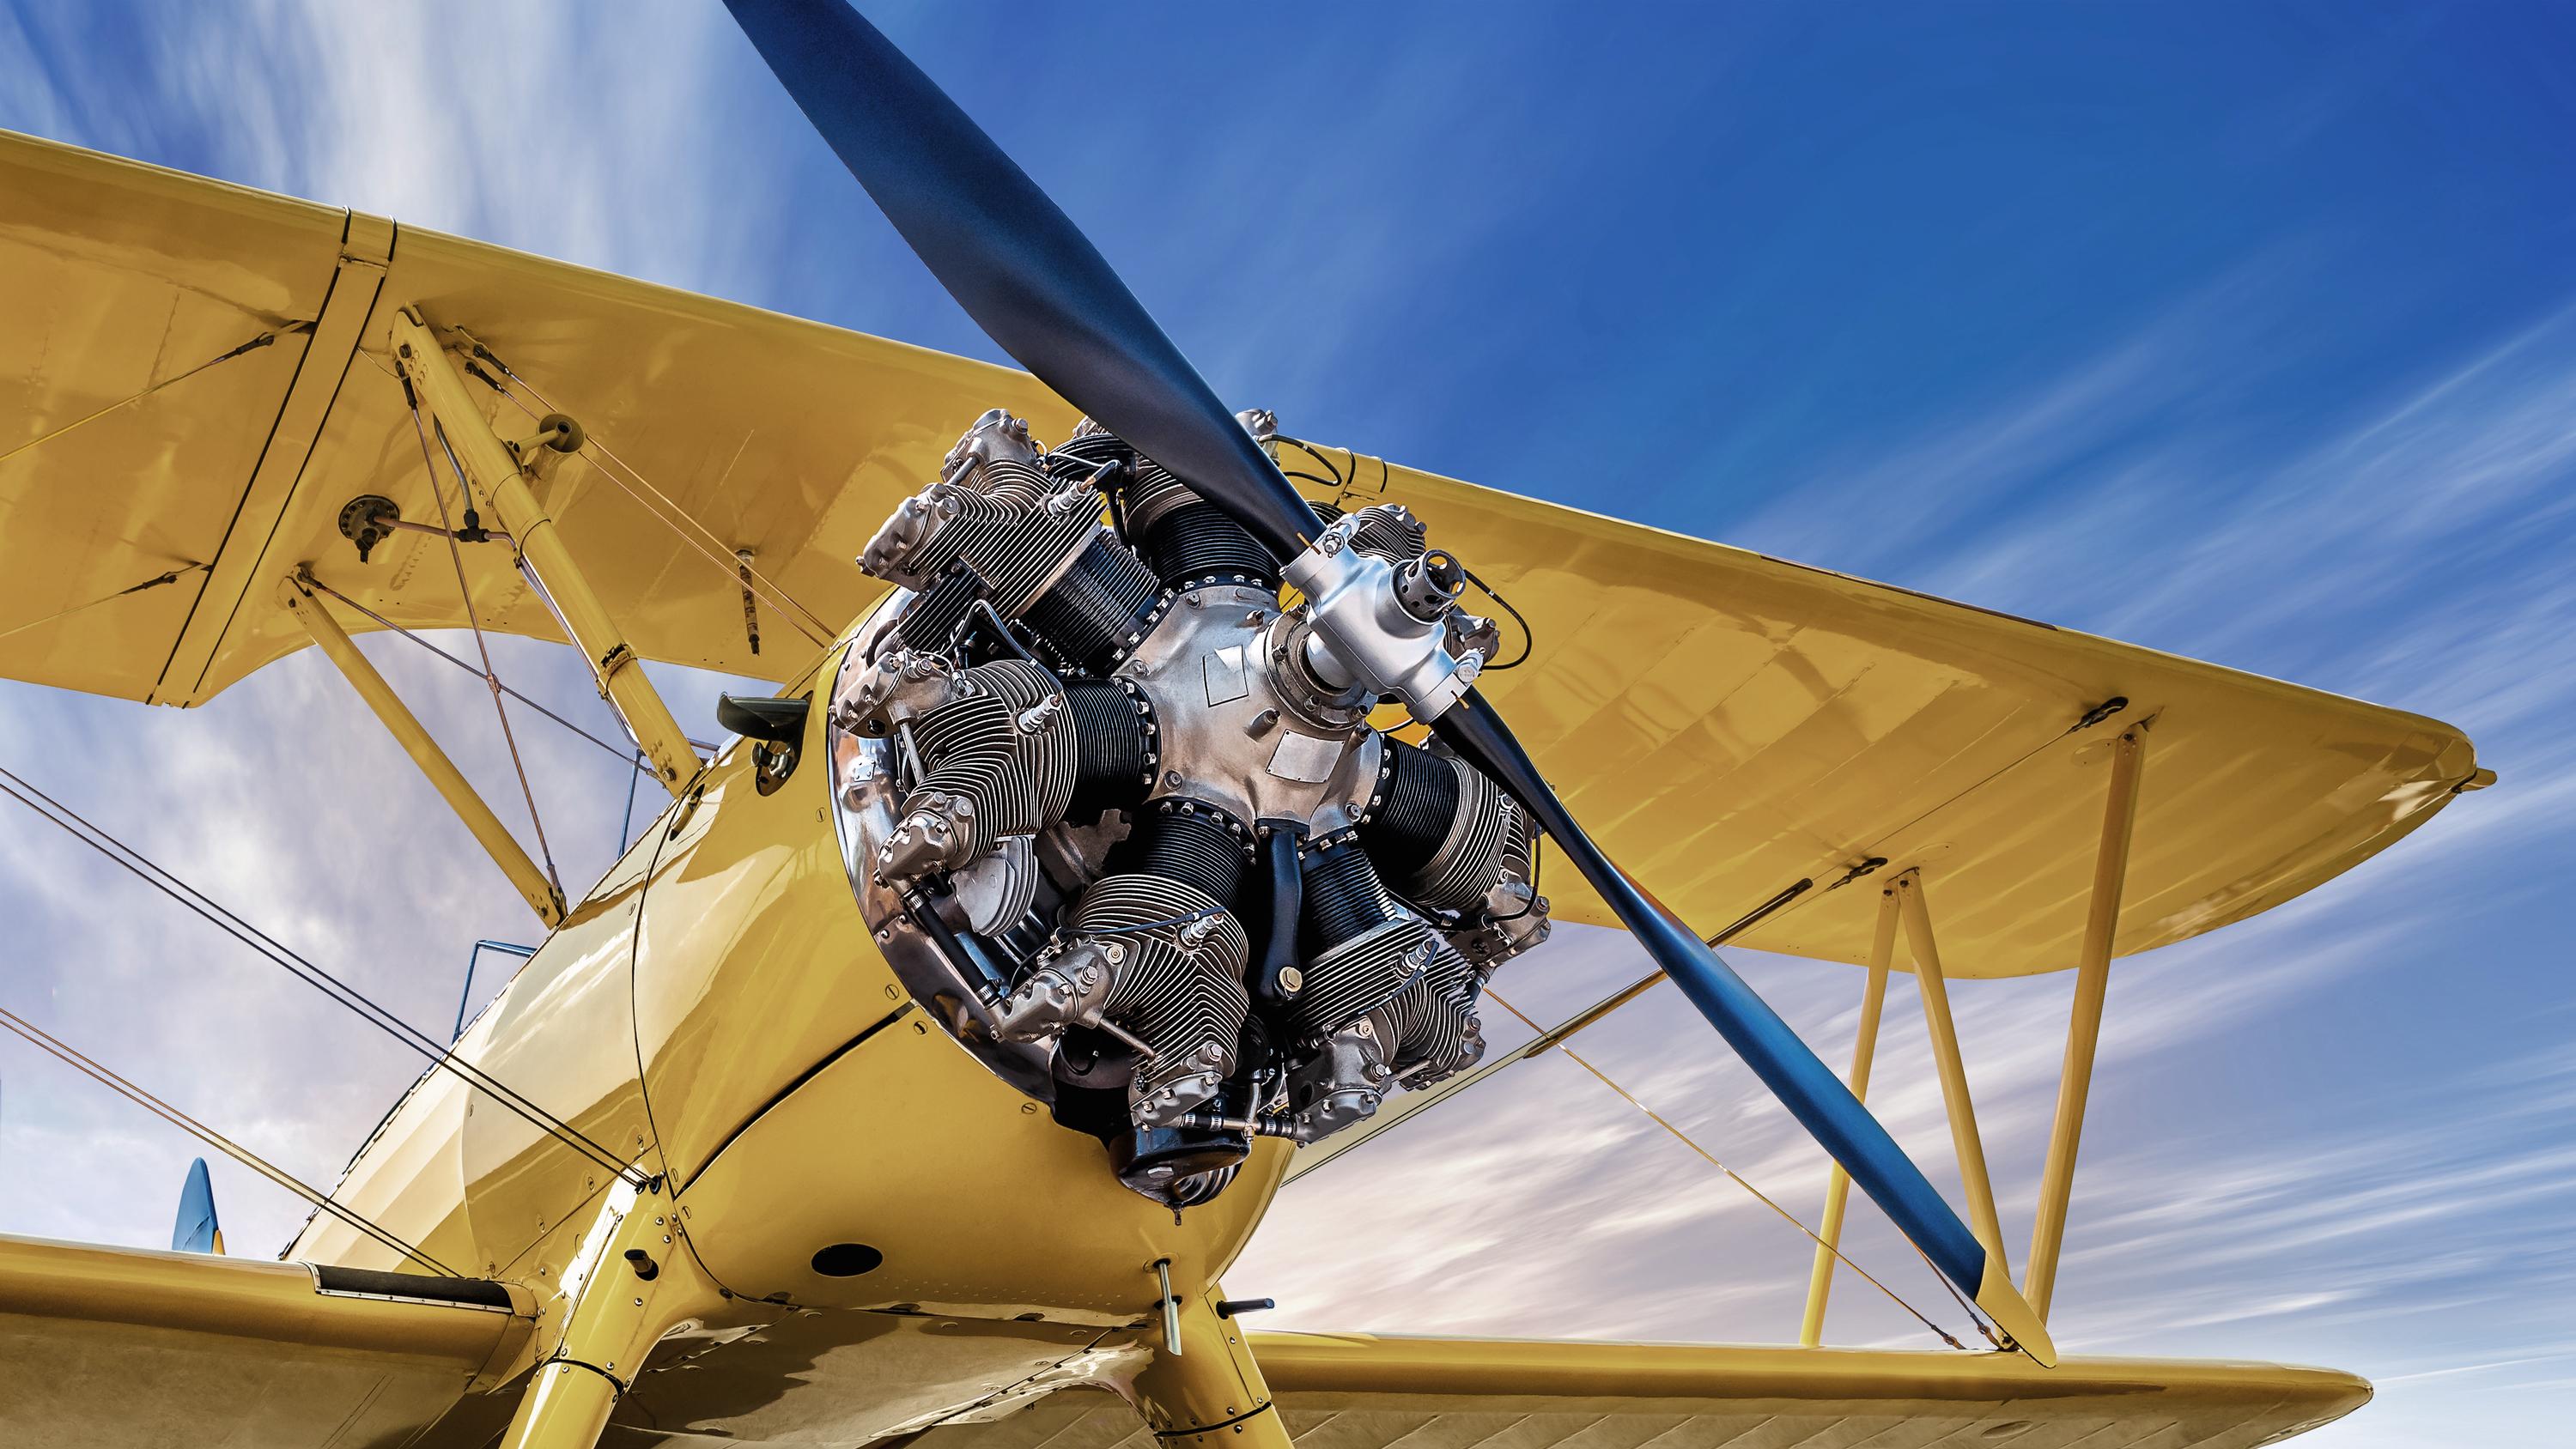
(2243, 332)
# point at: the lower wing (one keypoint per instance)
(1354, 1391)
(120, 1348)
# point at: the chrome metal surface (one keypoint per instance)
(1366, 625)
(1231, 738)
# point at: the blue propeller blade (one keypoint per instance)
(1033, 282)
(1013, 260)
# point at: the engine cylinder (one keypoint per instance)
(1096, 609)
(1077, 770)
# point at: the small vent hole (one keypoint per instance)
(847, 1260)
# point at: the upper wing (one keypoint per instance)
(1729, 723)
(787, 438)
(1359, 1392)
(115, 1348)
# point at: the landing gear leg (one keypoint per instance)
(631, 1281)
(1211, 1394)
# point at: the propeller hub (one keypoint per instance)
(1380, 626)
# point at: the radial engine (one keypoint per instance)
(1121, 818)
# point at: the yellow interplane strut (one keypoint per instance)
(539, 892)
(2084, 1028)
(1829, 1238)
(489, 464)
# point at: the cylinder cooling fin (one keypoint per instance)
(1122, 824)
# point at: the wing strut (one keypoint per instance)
(1820, 1279)
(532, 882)
(488, 461)
(1764, 1198)
(2084, 1027)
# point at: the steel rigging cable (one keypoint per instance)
(70, 1056)
(143, 868)
(787, 604)
(1759, 1195)
(465, 594)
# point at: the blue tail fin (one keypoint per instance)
(197, 1231)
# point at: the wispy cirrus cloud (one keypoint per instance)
(2203, 1224)
(2328, 1134)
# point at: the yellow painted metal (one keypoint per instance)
(614, 665)
(1212, 1392)
(249, 551)
(631, 1280)
(1758, 721)
(1727, 722)
(1358, 1391)
(2084, 1026)
(414, 737)
(982, 1206)
(121, 1348)
(2011, 1315)
(565, 1406)
(1820, 1277)
(493, 1192)
(116, 277)
(742, 882)
(274, 1303)
(798, 1098)
(1329, 1366)
(1955, 1101)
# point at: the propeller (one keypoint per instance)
(1037, 286)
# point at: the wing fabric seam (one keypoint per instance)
(338, 260)
(294, 485)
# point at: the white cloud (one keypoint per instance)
(2414, 1231)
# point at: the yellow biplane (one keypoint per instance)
(926, 1063)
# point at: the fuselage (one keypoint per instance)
(717, 1012)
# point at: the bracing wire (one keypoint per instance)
(156, 581)
(143, 868)
(804, 619)
(253, 345)
(482, 648)
(626, 754)
(73, 1058)
(1738, 1178)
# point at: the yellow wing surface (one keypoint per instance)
(113, 1348)
(120, 1348)
(1360, 1392)
(1728, 723)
